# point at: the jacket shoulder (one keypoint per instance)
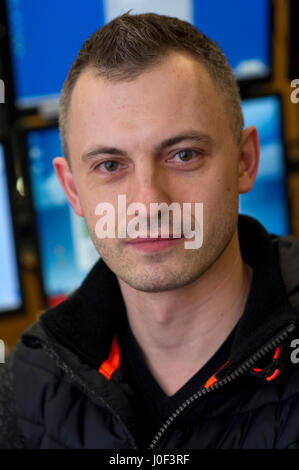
(288, 253)
(11, 436)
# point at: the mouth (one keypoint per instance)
(148, 244)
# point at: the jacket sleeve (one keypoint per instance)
(10, 435)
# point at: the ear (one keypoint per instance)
(65, 176)
(249, 159)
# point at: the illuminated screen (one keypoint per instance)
(66, 251)
(46, 35)
(10, 294)
(267, 200)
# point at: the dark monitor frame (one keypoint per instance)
(293, 50)
(6, 61)
(261, 94)
(6, 58)
(10, 176)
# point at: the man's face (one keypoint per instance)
(176, 98)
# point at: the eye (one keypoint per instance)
(185, 155)
(109, 165)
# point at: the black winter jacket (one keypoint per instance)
(63, 386)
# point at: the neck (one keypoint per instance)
(189, 323)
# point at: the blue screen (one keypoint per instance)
(10, 295)
(66, 251)
(46, 35)
(242, 30)
(267, 200)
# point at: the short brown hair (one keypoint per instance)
(129, 44)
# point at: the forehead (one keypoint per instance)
(175, 91)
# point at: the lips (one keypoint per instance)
(151, 239)
(151, 245)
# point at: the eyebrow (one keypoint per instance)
(189, 135)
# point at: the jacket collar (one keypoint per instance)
(87, 320)
(268, 308)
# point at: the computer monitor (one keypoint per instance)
(267, 201)
(242, 30)
(45, 36)
(65, 248)
(10, 287)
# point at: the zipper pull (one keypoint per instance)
(271, 371)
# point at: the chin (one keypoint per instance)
(151, 282)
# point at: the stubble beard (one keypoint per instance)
(170, 269)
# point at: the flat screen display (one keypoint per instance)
(10, 293)
(46, 35)
(66, 250)
(267, 200)
(242, 30)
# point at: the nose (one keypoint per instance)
(150, 184)
(149, 196)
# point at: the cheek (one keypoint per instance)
(228, 179)
(93, 213)
(89, 202)
(220, 194)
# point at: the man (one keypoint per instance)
(161, 346)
